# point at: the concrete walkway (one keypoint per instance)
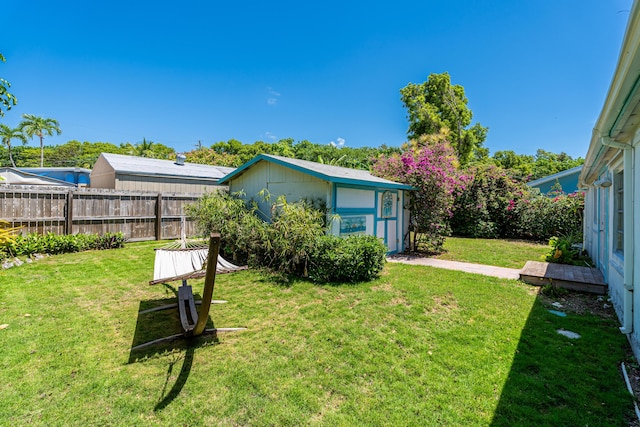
(486, 270)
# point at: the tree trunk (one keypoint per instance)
(10, 156)
(41, 153)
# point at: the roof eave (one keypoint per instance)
(616, 122)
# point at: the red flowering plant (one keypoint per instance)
(430, 166)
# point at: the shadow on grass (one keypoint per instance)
(555, 380)
(187, 363)
(153, 325)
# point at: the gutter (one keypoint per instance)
(628, 226)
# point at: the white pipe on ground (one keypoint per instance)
(626, 380)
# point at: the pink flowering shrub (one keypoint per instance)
(540, 217)
(486, 206)
(428, 164)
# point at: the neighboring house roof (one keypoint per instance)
(12, 176)
(132, 165)
(552, 178)
(73, 175)
(335, 174)
(40, 171)
(619, 116)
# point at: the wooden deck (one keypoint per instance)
(583, 279)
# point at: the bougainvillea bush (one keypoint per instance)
(540, 217)
(485, 208)
(428, 164)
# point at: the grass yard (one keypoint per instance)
(498, 252)
(418, 346)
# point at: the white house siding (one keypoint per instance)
(614, 148)
(600, 234)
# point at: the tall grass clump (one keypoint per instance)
(294, 242)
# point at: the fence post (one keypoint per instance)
(159, 217)
(68, 226)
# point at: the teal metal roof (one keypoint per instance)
(335, 174)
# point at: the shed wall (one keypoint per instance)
(164, 184)
(279, 181)
(102, 175)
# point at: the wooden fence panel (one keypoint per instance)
(139, 215)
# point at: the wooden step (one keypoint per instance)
(573, 277)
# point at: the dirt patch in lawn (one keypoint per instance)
(601, 306)
(580, 303)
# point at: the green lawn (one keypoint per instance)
(418, 346)
(498, 252)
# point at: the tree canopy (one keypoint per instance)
(7, 100)
(7, 134)
(437, 104)
(39, 126)
(527, 167)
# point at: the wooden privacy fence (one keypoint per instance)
(139, 215)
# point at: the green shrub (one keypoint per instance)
(561, 250)
(540, 217)
(485, 207)
(350, 259)
(54, 244)
(292, 235)
(495, 205)
(293, 243)
(242, 233)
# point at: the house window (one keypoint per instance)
(618, 206)
(387, 204)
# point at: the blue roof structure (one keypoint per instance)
(71, 175)
(568, 180)
(330, 173)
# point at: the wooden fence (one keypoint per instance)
(139, 215)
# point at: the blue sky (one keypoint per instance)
(536, 73)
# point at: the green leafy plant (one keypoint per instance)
(553, 291)
(293, 243)
(351, 259)
(561, 250)
(292, 236)
(7, 238)
(54, 244)
(242, 232)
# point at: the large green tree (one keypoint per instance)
(7, 134)
(7, 100)
(437, 104)
(527, 167)
(39, 126)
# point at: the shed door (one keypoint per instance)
(387, 226)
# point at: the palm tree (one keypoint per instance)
(143, 149)
(34, 125)
(7, 134)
